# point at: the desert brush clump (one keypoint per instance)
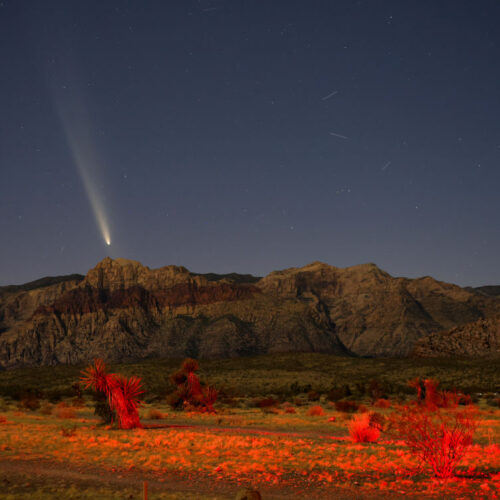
(191, 393)
(435, 429)
(316, 411)
(429, 395)
(120, 393)
(346, 406)
(363, 429)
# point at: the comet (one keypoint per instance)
(77, 128)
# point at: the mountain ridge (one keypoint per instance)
(121, 310)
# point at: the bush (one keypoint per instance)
(346, 406)
(154, 414)
(437, 438)
(382, 403)
(377, 420)
(313, 396)
(190, 392)
(288, 407)
(29, 401)
(46, 408)
(362, 430)
(376, 390)
(265, 402)
(429, 395)
(316, 411)
(337, 393)
(65, 412)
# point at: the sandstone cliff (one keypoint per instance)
(122, 311)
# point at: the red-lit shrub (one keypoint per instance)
(438, 438)
(361, 429)
(266, 402)
(190, 393)
(313, 396)
(122, 393)
(346, 406)
(316, 411)
(64, 411)
(382, 403)
(377, 420)
(154, 414)
(29, 401)
(46, 409)
(429, 395)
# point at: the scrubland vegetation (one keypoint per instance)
(306, 426)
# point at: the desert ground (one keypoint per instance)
(284, 445)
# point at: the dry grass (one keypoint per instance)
(303, 450)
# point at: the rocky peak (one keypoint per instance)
(319, 277)
(120, 274)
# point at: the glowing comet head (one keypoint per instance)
(108, 242)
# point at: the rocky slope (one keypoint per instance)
(122, 311)
(479, 338)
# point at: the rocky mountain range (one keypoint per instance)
(124, 311)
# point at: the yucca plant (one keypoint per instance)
(122, 393)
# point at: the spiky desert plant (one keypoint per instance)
(122, 393)
(125, 394)
(96, 377)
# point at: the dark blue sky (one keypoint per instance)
(249, 136)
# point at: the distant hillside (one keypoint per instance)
(489, 290)
(233, 277)
(124, 311)
(40, 283)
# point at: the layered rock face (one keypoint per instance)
(123, 311)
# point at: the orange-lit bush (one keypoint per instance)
(362, 430)
(65, 412)
(122, 393)
(154, 414)
(190, 393)
(438, 438)
(382, 403)
(362, 409)
(429, 395)
(316, 411)
(346, 406)
(265, 402)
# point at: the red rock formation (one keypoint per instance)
(123, 311)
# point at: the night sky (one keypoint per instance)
(250, 136)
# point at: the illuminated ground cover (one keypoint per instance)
(293, 455)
